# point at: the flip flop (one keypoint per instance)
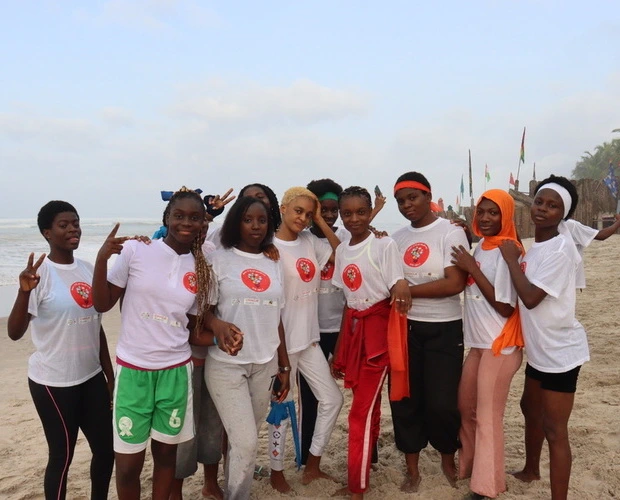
(260, 472)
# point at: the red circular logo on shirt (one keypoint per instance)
(352, 277)
(327, 272)
(523, 266)
(190, 282)
(306, 269)
(470, 281)
(416, 255)
(80, 292)
(255, 280)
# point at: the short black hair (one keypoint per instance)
(230, 234)
(50, 210)
(274, 209)
(414, 176)
(356, 191)
(321, 186)
(566, 184)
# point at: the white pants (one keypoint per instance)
(313, 366)
(241, 394)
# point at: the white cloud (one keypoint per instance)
(301, 103)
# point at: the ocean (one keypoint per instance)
(20, 237)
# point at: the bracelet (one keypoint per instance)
(284, 369)
(214, 340)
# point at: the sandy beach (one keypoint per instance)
(594, 426)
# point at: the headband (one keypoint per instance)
(329, 196)
(567, 199)
(412, 185)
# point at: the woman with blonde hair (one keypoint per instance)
(303, 257)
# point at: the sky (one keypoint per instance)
(105, 103)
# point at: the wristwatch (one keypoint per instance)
(284, 369)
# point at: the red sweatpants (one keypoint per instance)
(364, 424)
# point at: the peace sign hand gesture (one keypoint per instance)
(29, 278)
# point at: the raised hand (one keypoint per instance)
(218, 201)
(113, 244)
(29, 278)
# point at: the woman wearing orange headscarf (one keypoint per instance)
(492, 331)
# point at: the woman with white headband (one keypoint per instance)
(555, 342)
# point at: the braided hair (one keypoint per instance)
(356, 191)
(274, 206)
(203, 269)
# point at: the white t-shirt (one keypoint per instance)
(65, 326)
(249, 294)
(160, 291)
(301, 260)
(555, 341)
(425, 254)
(213, 235)
(582, 236)
(481, 323)
(331, 298)
(367, 271)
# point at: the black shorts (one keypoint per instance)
(558, 382)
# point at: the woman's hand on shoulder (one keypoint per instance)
(271, 252)
(510, 251)
(462, 259)
(29, 278)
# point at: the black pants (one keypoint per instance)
(64, 410)
(431, 414)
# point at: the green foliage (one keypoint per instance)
(595, 165)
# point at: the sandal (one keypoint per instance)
(260, 472)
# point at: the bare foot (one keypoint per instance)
(279, 482)
(526, 476)
(312, 474)
(411, 484)
(213, 492)
(448, 468)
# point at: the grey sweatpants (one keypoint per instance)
(241, 393)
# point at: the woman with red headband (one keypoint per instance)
(435, 330)
(492, 331)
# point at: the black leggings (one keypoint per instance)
(64, 410)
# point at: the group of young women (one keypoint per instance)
(213, 332)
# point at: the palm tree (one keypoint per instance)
(594, 166)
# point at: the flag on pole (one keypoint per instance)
(534, 172)
(522, 156)
(471, 189)
(487, 176)
(462, 187)
(611, 182)
(512, 180)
